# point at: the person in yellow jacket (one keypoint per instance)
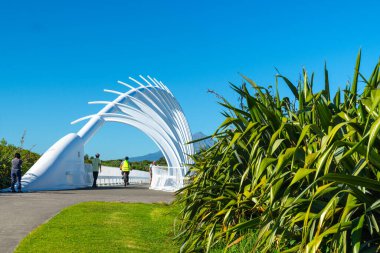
(125, 168)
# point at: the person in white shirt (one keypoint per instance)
(150, 169)
(96, 168)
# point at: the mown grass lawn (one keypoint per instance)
(106, 227)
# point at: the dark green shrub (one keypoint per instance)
(7, 152)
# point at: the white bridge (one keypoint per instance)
(148, 106)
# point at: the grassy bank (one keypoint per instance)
(105, 227)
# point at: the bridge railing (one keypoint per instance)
(118, 180)
(168, 178)
(163, 178)
(112, 176)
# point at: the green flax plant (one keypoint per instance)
(299, 177)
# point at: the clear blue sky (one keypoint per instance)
(55, 56)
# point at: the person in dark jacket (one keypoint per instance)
(16, 172)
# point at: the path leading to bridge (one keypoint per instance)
(20, 213)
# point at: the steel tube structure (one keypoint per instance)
(148, 106)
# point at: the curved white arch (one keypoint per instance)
(149, 107)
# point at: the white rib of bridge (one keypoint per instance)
(148, 106)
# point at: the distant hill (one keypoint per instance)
(150, 157)
(157, 155)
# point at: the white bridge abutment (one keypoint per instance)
(60, 167)
(150, 107)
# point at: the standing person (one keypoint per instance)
(16, 172)
(151, 169)
(96, 168)
(125, 168)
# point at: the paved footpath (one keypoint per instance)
(20, 213)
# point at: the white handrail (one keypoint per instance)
(112, 176)
(118, 180)
(168, 178)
